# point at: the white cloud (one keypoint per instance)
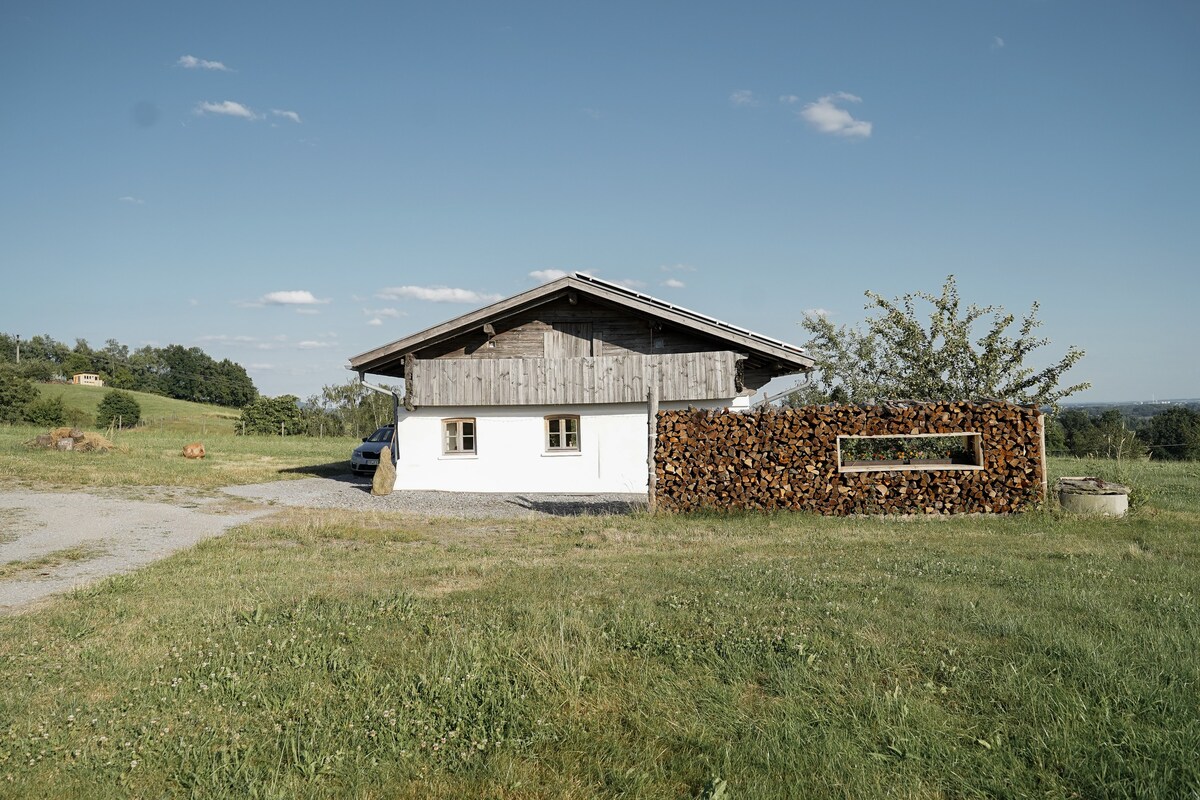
(375, 321)
(226, 108)
(743, 97)
(997, 43)
(591, 112)
(260, 366)
(191, 62)
(383, 312)
(309, 344)
(292, 115)
(677, 268)
(137, 201)
(237, 341)
(789, 99)
(308, 310)
(674, 283)
(827, 117)
(225, 338)
(298, 297)
(817, 312)
(437, 294)
(547, 275)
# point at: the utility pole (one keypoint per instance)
(18, 348)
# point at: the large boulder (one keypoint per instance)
(385, 474)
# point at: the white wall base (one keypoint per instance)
(510, 451)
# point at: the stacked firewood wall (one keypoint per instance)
(788, 459)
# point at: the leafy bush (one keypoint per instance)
(16, 395)
(118, 408)
(276, 416)
(49, 412)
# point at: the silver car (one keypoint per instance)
(365, 457)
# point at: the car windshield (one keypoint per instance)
(381, 435)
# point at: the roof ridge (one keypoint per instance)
(683, 310)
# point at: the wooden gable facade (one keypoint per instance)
(579, 340)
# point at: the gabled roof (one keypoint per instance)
(389, 359)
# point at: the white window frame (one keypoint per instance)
(548, 433)
(459, 436)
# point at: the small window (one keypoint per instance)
(458, 436)
(562, 433)
(923, 451)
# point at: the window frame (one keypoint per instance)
(459, 436)
(975, 448)
(547, 433)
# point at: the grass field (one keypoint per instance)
(329, 654)
(158, 413)
(148, 457)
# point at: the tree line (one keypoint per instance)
(184, 373)
(1172, 434)
(346, 409)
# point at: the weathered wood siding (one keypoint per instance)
(589, 379)
(562, 329)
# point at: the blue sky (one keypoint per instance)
(287, 185)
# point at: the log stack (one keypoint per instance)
(788, 459)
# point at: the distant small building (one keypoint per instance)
(87, 379)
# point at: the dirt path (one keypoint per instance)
(51, 542)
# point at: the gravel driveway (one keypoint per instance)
(354, 493)
(51, 542)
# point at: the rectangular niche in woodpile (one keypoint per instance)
(918, 451)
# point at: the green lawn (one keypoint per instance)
(159, 413)
(329, 654)
(148, 457)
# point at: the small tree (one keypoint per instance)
(1101, 436)
(16, 395)
(898, 356)
(49, 412)
(272, 416)
(118, 408)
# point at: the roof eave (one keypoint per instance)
(783, 354)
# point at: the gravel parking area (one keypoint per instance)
(354, 493)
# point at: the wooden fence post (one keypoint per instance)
(651, 441)
(1042, 444)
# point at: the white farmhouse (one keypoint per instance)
(547, 390)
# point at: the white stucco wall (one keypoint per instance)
(511, 451)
